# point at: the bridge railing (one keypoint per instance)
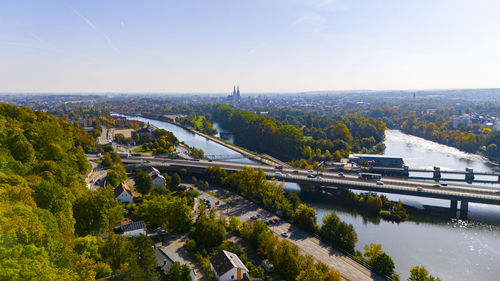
(382, 188)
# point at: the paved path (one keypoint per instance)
(308, 243)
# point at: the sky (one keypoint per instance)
(202, 46)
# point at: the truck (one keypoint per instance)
(369, 176)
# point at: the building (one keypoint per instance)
(131, 229)
(123, 193)
(145, 131)
(158, 180)
(377, 160)
(226, 266)
(166, 257)
(461, 119)
(152, 171)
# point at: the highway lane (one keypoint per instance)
(391, 185)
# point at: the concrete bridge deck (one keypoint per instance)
(391, 185)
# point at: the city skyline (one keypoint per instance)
(263, 46)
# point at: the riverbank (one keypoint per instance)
(265, 159)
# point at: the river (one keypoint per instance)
(450, 250)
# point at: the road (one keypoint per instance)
(307, 243)
(333, 180)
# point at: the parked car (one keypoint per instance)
(284, 234)
(277, 220)
(419, 188)
(161, 231)
(380, 183)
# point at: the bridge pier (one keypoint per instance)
(453, 208)
(464, 209)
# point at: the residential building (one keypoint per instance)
(461, 119)
(152, 171)
(131, 229)
(166, 257)
(123, 193)
(226, 266)
(158, 180)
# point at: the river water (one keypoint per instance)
(448, 249)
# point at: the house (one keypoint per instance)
(152, 171)
(131, 229)
(123, 193)
(158, 180)
(166, 257)
(145, 131)
(227, 266)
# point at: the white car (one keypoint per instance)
(419, 188)
(380, 183)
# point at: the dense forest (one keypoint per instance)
(48, 217)
(294, 134)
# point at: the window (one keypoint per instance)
(232, 276)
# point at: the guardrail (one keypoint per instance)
(432, 193)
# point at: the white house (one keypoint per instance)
(123, 193)
(227, 266)
(158, 180)
(133, 229)
(152, 171)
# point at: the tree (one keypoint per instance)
(174, 181)
(143, 182)
(383, 264)
(305, 217)
(171, 213)
(338, 233)
(419, 273)
(287, 259)
(311, 273)
(142, 265)
(178, 272)
(209, 232)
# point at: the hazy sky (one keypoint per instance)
(262, 45)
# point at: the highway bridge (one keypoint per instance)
(333, 181)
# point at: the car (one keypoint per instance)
(444, 184)
(278, 167)
(310, 171)
(419, 188)
(277, 220)
(497, 192)
(161, 232)
(278, 174)
(295, 171)
(287, 175)
(436, 185)
(311, 176)
(255, 217)
(269, 222)
(380, 183)
(320, 178)
(284, 234)
(341, 175)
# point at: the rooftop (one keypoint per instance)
(225, 261)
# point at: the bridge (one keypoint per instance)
(332, 181)
(224, 156)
